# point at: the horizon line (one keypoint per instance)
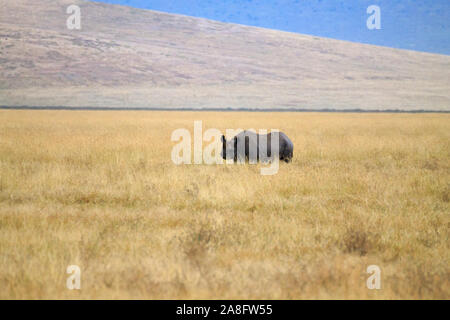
(306, 110)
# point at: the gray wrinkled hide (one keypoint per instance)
(248, 145)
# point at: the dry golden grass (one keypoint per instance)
(99, 190)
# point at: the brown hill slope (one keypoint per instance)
(126, 57)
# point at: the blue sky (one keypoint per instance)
(421, 25)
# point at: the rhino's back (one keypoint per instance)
(284, 139)
(257, 145)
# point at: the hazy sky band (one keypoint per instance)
(408, 24)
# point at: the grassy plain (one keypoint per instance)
(99, 190)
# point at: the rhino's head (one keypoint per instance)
(228, 148)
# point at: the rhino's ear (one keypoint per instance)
(223, 139)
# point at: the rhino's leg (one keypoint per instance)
(287, 155)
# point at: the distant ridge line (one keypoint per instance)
(220, 109)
